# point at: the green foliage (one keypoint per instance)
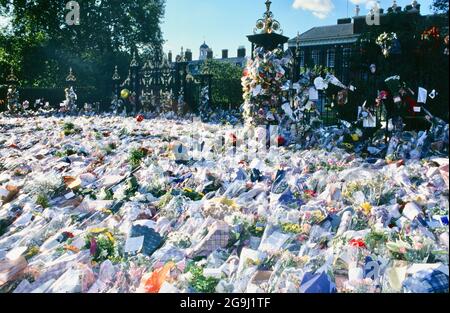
(193, 195)
(157, 191)
(43, 201)
(440, 6)
(106, 248)
(4, 224)
(86, 192)
(65, 153)
(199, 282)
(31, 252)
(136, 156)
(41, 46)
(317, 69)
(226, 83)
(132, 187)
(106, 194)
(247, 230)
(164, 200)
(70, 129)
(109, 148)
(375, 239)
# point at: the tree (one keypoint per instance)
(440, 6)
(226, 83)
(42, 46)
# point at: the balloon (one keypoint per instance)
(124, 94)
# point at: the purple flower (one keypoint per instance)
(93, 247)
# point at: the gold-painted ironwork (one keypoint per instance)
(12, 78)
(127, 81)
(71, 77)
(134, 62)
(116, 75)
(268, 24)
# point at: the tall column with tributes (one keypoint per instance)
(264, 75)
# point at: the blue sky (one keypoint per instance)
(224, 24)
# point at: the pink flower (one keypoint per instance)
(418, 246)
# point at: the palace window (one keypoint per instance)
(331, 58)
(302, 58)
(315, 55)
(346, 55)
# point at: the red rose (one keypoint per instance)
(358, 243)
(140, 118)
(281, 141)
(68, 235)
(233, 138)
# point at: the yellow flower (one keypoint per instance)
(304, 259)
(227, 202)
(355, 137)
(98, 230)
(318, 215)
(110, 237)
(347, 145)
(366, 207)
(106, 211)
(292, 228)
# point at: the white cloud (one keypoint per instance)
(320, 8)
(358, 1)
(368, 3)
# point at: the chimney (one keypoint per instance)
(241, 53)
(344, 21)
(225, 54)
(170, 57)
(357, 10)
(209, 55)
(188, 55)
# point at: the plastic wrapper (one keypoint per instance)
(303, 214)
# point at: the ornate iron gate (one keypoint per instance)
(160, 86)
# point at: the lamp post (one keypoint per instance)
(116, 81)
(181, 74)
(12, 79)
(267, 32)
(71, 96)
(134, 68)
(12, 95)
(297, 56)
